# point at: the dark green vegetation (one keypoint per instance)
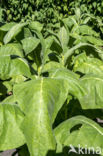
(49, 12)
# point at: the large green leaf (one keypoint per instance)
(13, 32)
(88, 65)
(44, 98)
(94, 87)
(12, 67)
(10, 121)
(79, 131)
(29, 44)
(11, 49)
(73, 84)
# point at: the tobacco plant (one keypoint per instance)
(50, 88)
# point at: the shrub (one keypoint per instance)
(26, 10)
(50, 11)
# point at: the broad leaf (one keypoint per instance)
(87, 134)
(44, 98)
(72, 50)
(27, 33)
(86, 30)
(35, 26)
(9, 100)
(29, 44)
(13, 32)
(92, 40)
(88, 65)
(10, 121)
(12, 67)
(11, 49)
(52, 65)
(73, 84)
(94, 87)
(6, 27)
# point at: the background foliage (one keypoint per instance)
(48, 11)
(26, 10)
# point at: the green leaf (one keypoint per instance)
(51, 65)
(11, 49)
(78, 13)
(6, 27)
(12, 67)
(36, 26)
(41, 104)
(9, 100)
(63, 37)
(29, 44)
(71, 51)
(88, 134)
(15, 30)
(86, 30)
(27, 33)
(52, 45)
(94, 87)
(10, 121)
(92, 40)
(73, 84)
(18, 79)
(87, 65)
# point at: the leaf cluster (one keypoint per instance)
(51, 87)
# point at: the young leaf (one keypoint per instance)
(63, 37)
